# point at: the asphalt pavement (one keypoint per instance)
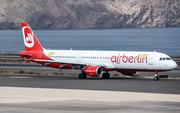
(167, 86)
(66, 93)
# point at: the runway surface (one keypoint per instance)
(44, 94)
(54, 94)
(168, 86)
(28, 67)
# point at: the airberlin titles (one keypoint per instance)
(131, 59)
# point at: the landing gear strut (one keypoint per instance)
(82, 76)
(156, 78)
(105, 75)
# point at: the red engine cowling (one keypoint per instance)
(94, 71)
(129, 73)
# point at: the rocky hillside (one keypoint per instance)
(88, 14)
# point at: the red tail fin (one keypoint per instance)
(30, 41)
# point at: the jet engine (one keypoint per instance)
(94, 71)
(129, 73)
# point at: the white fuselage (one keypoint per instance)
(114, 60)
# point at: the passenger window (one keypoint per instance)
(164, 58)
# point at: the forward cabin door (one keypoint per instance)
(151, 59)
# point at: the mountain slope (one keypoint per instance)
(88, 14)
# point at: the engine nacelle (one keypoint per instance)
(129, 73)
(94, 71)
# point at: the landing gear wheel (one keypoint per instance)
(82, 76)
(156, 78)
(105, 75)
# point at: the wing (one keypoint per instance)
(74, 64)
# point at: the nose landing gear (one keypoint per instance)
(156, 78)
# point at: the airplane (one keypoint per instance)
(95, 63)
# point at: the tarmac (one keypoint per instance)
(66, 93)
(37, 94)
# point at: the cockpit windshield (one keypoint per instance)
(164, 58)
(168, 59)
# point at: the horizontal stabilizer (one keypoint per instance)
(24, 54)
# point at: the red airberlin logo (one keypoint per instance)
(28, 37)
(129, 59)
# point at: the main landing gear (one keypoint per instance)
(156, 78)
(82, 76)
(105, 75)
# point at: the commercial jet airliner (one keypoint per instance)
(95, 63)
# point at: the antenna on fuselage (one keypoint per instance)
(154, 50)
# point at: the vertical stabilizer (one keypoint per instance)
(30, 41)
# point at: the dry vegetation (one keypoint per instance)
(32, 73)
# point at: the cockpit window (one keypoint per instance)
(164, 58)
(168, 59)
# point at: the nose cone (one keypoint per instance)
(173, 65)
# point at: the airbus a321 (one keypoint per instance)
(95, 63)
